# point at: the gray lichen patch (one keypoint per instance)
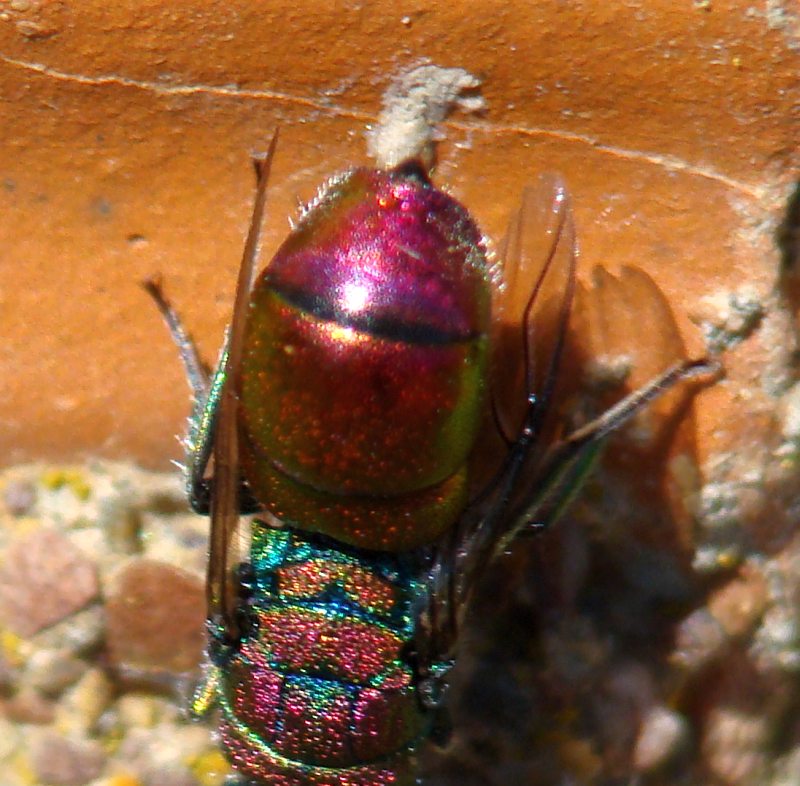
(726, 317)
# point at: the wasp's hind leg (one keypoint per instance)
(566, 464)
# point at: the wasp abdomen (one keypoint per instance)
(322, 693)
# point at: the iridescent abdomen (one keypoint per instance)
(364, 364)
(321, 692)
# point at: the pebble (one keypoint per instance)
(168, 747)
(68, 716)
(81, 707)
(699, 639)
(44, 578)
(734, 745)
(8, 674)
(155, 617)
(28, 706)
(62, 761)
(662, 735)
(181, 540)
(738, 605)
(777, 643)
(81, 633)
(9, 739)
(143, 711)
(51, 671)
(786, 769)
(148, 556)
(19, 497)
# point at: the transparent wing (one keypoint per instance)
(568, 397)
(531, 304)
(221, 592)
(628, 334)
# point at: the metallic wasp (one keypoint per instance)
(360, 371)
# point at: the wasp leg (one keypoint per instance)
(200, 439)
(197, 372)
(205, 695)
(503, 514)
(206, 389)
(567, 463)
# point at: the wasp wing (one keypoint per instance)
(221, 592)
(658, 446)
(547, 458)
(531, 306)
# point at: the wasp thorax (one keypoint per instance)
(364, 359)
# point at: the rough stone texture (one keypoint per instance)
(68, 715)
(61, 761)
(581, 662)
(83, 704)
(156, 617)
(43, 579)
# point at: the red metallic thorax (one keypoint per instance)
(364, 361)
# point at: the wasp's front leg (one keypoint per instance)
(206, 388)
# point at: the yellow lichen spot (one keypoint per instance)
(15, 650)
(210, 768)
(73, 479)
(736, 61)
(21, 767)
(123, 779)
(728, 559)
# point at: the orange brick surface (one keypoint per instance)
(127, 127)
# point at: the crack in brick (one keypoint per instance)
(184, 89)
(669, 163)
